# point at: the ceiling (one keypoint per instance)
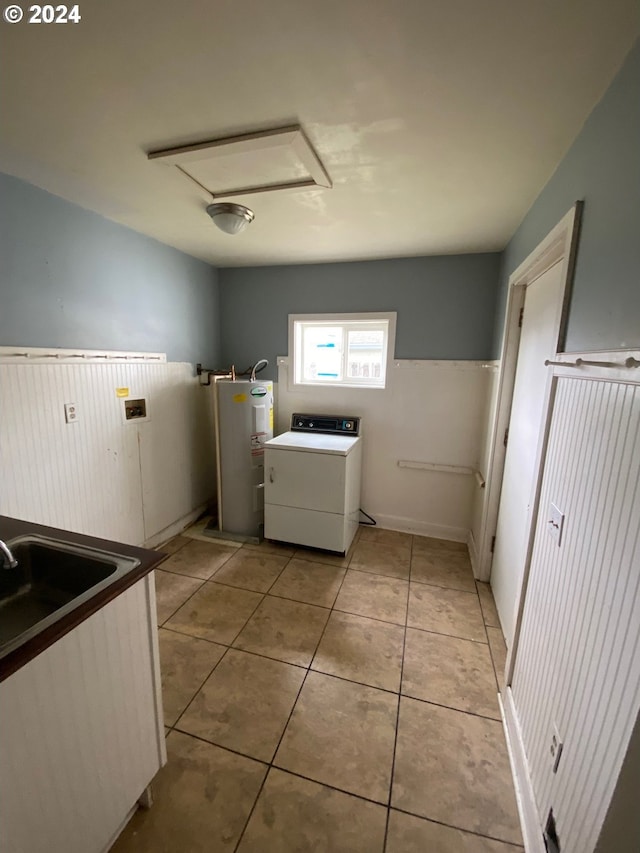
(438, 122)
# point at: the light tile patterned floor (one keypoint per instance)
(314, 702)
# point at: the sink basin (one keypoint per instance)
(51, 579)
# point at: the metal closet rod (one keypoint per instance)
(579, 362)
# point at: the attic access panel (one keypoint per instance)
(258, 162)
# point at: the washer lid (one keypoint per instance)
(314, 442)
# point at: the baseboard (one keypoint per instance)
(529, 822)
(175, 528)
(422, 528)
(388, 522)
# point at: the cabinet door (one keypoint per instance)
(306, 480)
(81, 732)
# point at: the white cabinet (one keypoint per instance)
(81, 733)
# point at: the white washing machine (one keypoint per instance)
(312, 482)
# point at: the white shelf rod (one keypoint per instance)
(445, 469)
(580, 362)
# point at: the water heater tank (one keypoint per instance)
(245, 422)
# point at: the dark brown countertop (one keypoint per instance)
(10, 528)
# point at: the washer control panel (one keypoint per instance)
(331, 424)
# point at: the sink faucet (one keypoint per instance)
(9, 561)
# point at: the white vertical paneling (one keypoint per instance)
(578, 658)
(430, 411)
(173, 475)
(101, 475)
(81, 733)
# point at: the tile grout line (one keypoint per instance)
(493, 661)
(395, 740)
(485, 616)
(253, 612)
(192, 700)
(226, 650)
(495, 667)
(274, 581)
(331, 787)
(452, 708)
(286, 726)
(173, 630)
(235, 551)
(171, 553)
(180, 605)
(333, 674)
(226, 560)
(452, 636)
(486, 632)
(443, 586)
(228, 586)
(513, 844)
(331, 611)
(180, 574)
(298, 600)
(309, 669)
(237, 752)
(224, 654)
(231, 646)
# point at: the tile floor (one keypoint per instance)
(315, 703)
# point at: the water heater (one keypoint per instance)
(245, 423)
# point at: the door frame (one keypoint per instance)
(560, 245)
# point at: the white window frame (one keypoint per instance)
(344, 320)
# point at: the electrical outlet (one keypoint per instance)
(556, 747)
(70, 413)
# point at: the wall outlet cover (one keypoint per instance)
(70, 413)
(556, 748)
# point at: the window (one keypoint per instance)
(341, 349)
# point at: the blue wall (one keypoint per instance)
(603, 168)
(69, 278)
(446, 305)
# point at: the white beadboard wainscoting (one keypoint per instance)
(421, 440)
(132, 481)
(82, 731)
(576, 666)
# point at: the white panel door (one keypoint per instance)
(306, 480)
(538, 341)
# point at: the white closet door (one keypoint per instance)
(538, 341)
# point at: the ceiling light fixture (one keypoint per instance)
(230, 218)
